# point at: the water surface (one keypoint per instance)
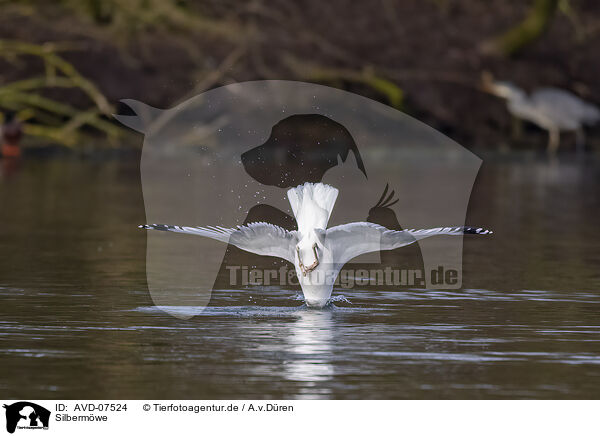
(78, 322)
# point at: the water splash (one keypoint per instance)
(338, 298)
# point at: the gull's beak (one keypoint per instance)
(306, 269)
(487, 83)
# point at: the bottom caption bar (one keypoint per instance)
(157, 417)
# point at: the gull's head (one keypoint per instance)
(506, 90)
(309, 251)
(502, 89)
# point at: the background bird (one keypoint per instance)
(12, 131)
(317, 253)
(552, 109)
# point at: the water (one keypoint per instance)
(78, 322)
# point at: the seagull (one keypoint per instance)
(552, 109)
(318, 253)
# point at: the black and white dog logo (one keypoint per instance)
(26, 415)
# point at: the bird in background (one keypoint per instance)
(11, 131)
(317, 252)
(551, 109)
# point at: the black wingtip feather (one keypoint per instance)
(163, 227)
(468, 230)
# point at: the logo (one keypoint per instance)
(228, 157)
(26, 415)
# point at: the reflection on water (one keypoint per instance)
(310, 338)
(78, 321)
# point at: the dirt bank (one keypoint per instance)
(431, 50)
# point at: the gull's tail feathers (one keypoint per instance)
(312, 204)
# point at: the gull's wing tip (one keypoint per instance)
(156, 227)
(477, 231)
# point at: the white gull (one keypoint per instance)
(318, 253)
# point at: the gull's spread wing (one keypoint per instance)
(259, 238)
(351, 240)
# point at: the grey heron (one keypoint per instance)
(552, 109)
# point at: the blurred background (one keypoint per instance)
(64, 65)
(514, 81)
